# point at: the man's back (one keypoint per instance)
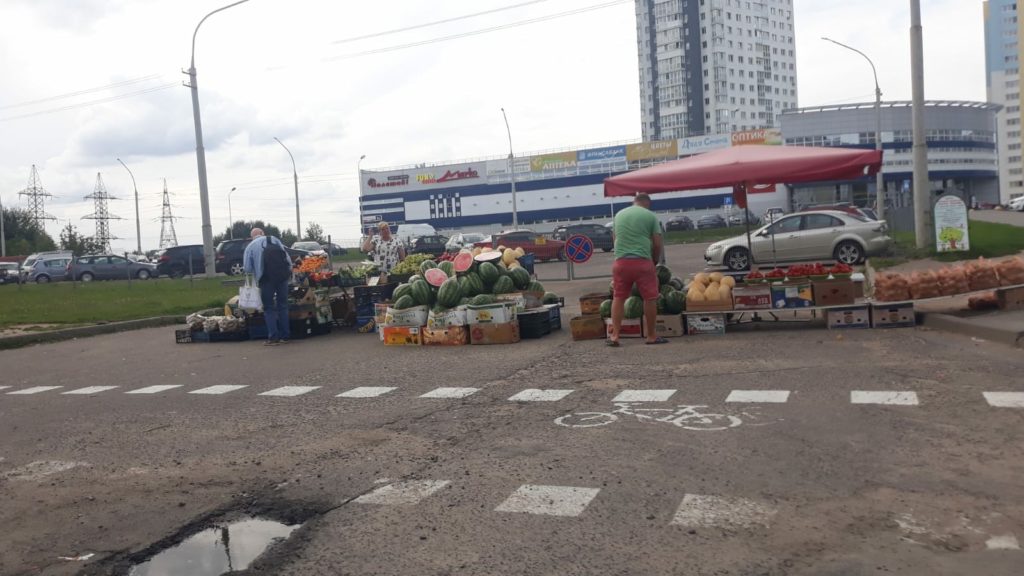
(634, 227)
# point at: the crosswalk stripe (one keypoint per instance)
(535, 395)
(289, 391)
(90, 390)
(34, 390)
(407, 493)
(702, 511)
(450, 393)
(366, 392)
(154, 389)
(644, 396)
(549, 500)
(1004, 399)
(4, 387)
(889, 398)
(759, 396)
(219, 389)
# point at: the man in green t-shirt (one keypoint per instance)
(638, 246)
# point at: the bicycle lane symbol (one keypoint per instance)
(686, 416)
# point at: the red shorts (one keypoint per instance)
(627, 271)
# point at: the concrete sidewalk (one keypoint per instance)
(1005, 327)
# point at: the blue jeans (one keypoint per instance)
(275, 313)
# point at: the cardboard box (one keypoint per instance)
(1010, 298)
(498, 313)
(503, 333)
(415, 316)
(523, 300)
(893, 315)
(401, 335)
(590, 304)
(792, 295)
(708, 306)
(668, 326)
(752, 297)
(587, 327)
(834, 292)
(454, 317)
(629, 328)
(705, 324)
(450, 336)
(848, 317)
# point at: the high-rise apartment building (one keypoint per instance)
(714, 66)
(1002, 66)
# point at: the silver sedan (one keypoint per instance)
(820, 235)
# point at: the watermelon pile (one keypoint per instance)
(465, 278)
(671, 298)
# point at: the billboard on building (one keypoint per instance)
(499, 167)
(762, 136)
(560, 161)
(423, 178)
(652, 150)
(701, 144)
(606, 155)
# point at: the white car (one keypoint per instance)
(463, 240)
(1017, 204)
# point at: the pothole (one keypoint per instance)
(217, 550)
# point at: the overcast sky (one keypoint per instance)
(293, 70)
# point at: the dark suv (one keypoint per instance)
(175, 261)
(600, 235)
(231, 256)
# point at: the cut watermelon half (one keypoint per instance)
(463, 261)
(435, 277)
(488, 256)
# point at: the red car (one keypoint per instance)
(540, 246)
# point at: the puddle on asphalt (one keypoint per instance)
(216, 550)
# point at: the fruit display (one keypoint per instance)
(411, 264)
(713, 288)
(310, 264)
(817, 271)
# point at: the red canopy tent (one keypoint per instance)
(744, 167)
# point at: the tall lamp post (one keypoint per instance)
(231, 219)
(204, 192)
(922, 184)
(138, 225)
(295, 176)
(359, 177)
(879, 178)
(511, 171)
(3, 236)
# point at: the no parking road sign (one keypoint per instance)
(579, 248)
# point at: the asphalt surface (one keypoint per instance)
(811, 483)
(1011, 217)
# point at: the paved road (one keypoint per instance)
(542, 458)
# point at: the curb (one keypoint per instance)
(21, 340)
(966, 327)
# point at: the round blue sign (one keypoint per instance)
(579, 248)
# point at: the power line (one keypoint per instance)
(92, 102)
(81, 92)
(436, 22)
(474, 32)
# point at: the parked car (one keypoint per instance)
(679, 223)
(840, 207)
(600, 235)
(231, 255)
(824, 235)
(709, 221)
(870, 213)
(1017, 204)
(310, 246)
(43, 267)
(532, 243)
(335, 250)
(9, 273)
(406, 232)
(773, 214)
(743, 218)
(109, 267)
(462, 240)
(434, 245)
(179, 261)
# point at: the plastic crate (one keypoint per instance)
(554, 316)
(346, 282)
(527, 261)
(374, 294)
(183, 336)
(201, 336)
(534, 323)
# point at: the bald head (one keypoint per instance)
(256, 233)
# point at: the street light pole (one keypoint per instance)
(295, 176)
(231, 219)
(138, 225)
(879, 178)
(3, 236)
(204, 192)
(511, 171)
(922, 185)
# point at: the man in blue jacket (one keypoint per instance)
(266, 259)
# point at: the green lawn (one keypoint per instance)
(988, 239)
(699, 236)
(352, 256)
(80, 303)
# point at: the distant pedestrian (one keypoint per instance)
(638, 246)
(386, 250)
(266, 259)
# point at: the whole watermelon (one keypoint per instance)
(535, 286)
(448, 267)
(404, 302)
(482, 300)
(664, 274)
(666, 289)
(606, 309)
(489, 273)
(520, 277)
(401, 290)
(635, 291)
(427, 265)
(504, 285)
(661, 304)
(468, 288)
(634, 307)
(502, 268)
(676, 283)
(550, 298)
(449, 294)
(675, 302)
(422, 293)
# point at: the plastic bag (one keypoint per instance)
(1011, 271)
(249, 295)
(982, 275)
